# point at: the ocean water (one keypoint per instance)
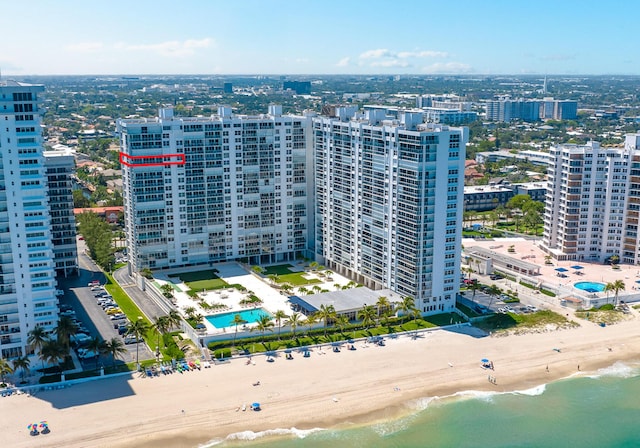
(602, 410)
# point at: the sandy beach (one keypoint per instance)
(327, 389)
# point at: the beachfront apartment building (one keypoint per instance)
(199, 190)
(389, 195)
(27, 271)
(60, 166)
(506, 110)
(593, 202)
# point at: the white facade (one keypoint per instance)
(389, 197)
(27, 282)
(207, 189)
(593, 202)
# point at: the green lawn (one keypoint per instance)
(212, 283)
(539, 319)
(281, 269)
(297, 279)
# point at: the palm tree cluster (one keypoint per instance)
(369, 315)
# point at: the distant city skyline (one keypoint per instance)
(319, 37)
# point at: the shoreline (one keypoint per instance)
(329, 391)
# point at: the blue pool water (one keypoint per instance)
(250, 316)
(590, 286)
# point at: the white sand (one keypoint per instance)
(323, 390)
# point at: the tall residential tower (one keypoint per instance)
(207, 189)
(389, 203)
(27, 282)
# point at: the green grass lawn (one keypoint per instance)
(297, 279)
(212, 283)
(281, 269)
(508, 321)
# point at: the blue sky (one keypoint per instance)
(319, 37)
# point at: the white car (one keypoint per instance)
(59, 292)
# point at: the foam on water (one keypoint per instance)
(533, 392)
(211, 443)
(618, 370)
(250, 435)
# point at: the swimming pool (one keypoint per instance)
(249, 316)
(590, 286)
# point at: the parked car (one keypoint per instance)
(118, 316)
(97, 288)
(94, 283)
(86, 354)
(131, 339)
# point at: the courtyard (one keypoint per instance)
(560, 277)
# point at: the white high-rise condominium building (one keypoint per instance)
(593, 202)
(27, 283)
(207, 189)
(389, 203)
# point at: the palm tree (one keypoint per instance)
(367, 315)
(274, 278)
(302, 290)
(161, 325)
(5, 369)
(342, 322)
(53, 352)
(469, 270)
(407, 305)
(286, 287)
(278, 316)
(167, 290)
(493, 291)
(115, 347)
(174, 318)
(474, 287)
(616, 287)
(293, 321)
(312, 319)
(21, 363)
(325, 314)
(382, 304)
(263, 325)
(190, 312)
(138, 328)
(237, 319)
(66, 327)
(36, 339)
(96, 345)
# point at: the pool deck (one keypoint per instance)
(530, 251)
(235, 273)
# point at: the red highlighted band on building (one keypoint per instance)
(140, 161)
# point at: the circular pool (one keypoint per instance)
(590, 286)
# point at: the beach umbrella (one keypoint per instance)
(577, 267)
(484, 360)
(562, 269)
(287, 350)
(350, 341)
(255, 405)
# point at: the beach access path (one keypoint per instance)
(324, 390)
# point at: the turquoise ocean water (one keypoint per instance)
(601, 410)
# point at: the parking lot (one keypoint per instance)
(93, 315)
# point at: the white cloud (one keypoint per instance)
(344, 62)
(377, 54)
(448, 68)
(423, 54)
(390, 63)
(302, 60)
(172, 48)
(84, 47)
